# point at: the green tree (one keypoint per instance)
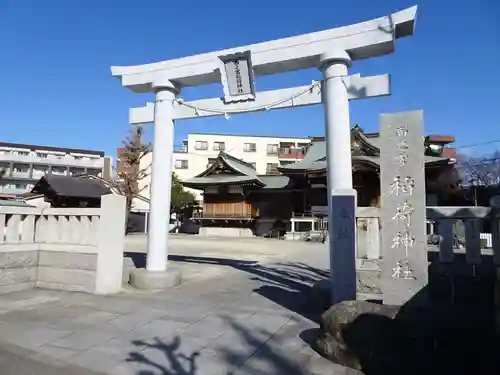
(182, 201)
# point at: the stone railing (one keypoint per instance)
(76, 249)
(369, 233)
(472, 218)
(443, 218)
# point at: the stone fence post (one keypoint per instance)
(110, 244)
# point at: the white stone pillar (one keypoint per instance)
(161, 176)
(341, 196)
(156, 276)
(334, 65)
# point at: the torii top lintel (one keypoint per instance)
(362, 40)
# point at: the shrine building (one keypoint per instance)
(236, 196)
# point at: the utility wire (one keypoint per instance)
(479, 144)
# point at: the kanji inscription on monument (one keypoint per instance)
(402, 175)
(342, 219)
(238, 77)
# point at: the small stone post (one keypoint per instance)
(110, 244)
(342, 232)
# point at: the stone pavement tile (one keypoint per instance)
(156, 328)
(268, 322)
(8, 330)
(188, 315)
(57, 352)
(44, 315)
(110, 304)
(33, 338)
(82, 340)
(18, 361)
(149, 313)
(206, 329)
(273, 361)
(15, 302)
(314, 364)
(119, 347)
(97, 360)
(129, 321)
(96, 317)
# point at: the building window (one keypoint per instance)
(254, 165)
(272, 168)
(21, 169)
(219, 146)
(272, 149)
(181, 164)
(250, 147)
(41, 155)
(23, 153)
(201, 145)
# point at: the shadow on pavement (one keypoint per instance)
(257, 357)
(176, 363)
(446, 328)
(287, 284)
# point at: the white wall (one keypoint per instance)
(38, 202)
(234, 145)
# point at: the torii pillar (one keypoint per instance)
(330, 50)
(341, 195)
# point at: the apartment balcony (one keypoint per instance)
(13, 190)
(53, 160)
(38, 175)
(291, 153)
(181, 149)
(21, 174)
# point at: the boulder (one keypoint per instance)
(350, 330)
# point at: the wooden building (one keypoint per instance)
(68, 191)
(234, 195)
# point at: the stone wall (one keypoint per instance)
(66, 271)
(225, 232)
(18, 269)
(74, 249)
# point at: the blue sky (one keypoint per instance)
(56, 87)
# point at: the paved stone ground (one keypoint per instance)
(19, 361)
(210, 253)
(247, 318)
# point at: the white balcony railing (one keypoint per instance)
(13, 190)
(21, 174)
(53, 160)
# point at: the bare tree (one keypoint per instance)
(479, 173)
(131, 173)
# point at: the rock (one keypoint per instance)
(344, 325)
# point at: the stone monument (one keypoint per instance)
(403, 216)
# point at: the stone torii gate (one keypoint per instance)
(332, 51)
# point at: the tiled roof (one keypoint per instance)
(245, 174)
(71, 186)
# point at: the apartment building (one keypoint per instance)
(200, 150)
(24, 165)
